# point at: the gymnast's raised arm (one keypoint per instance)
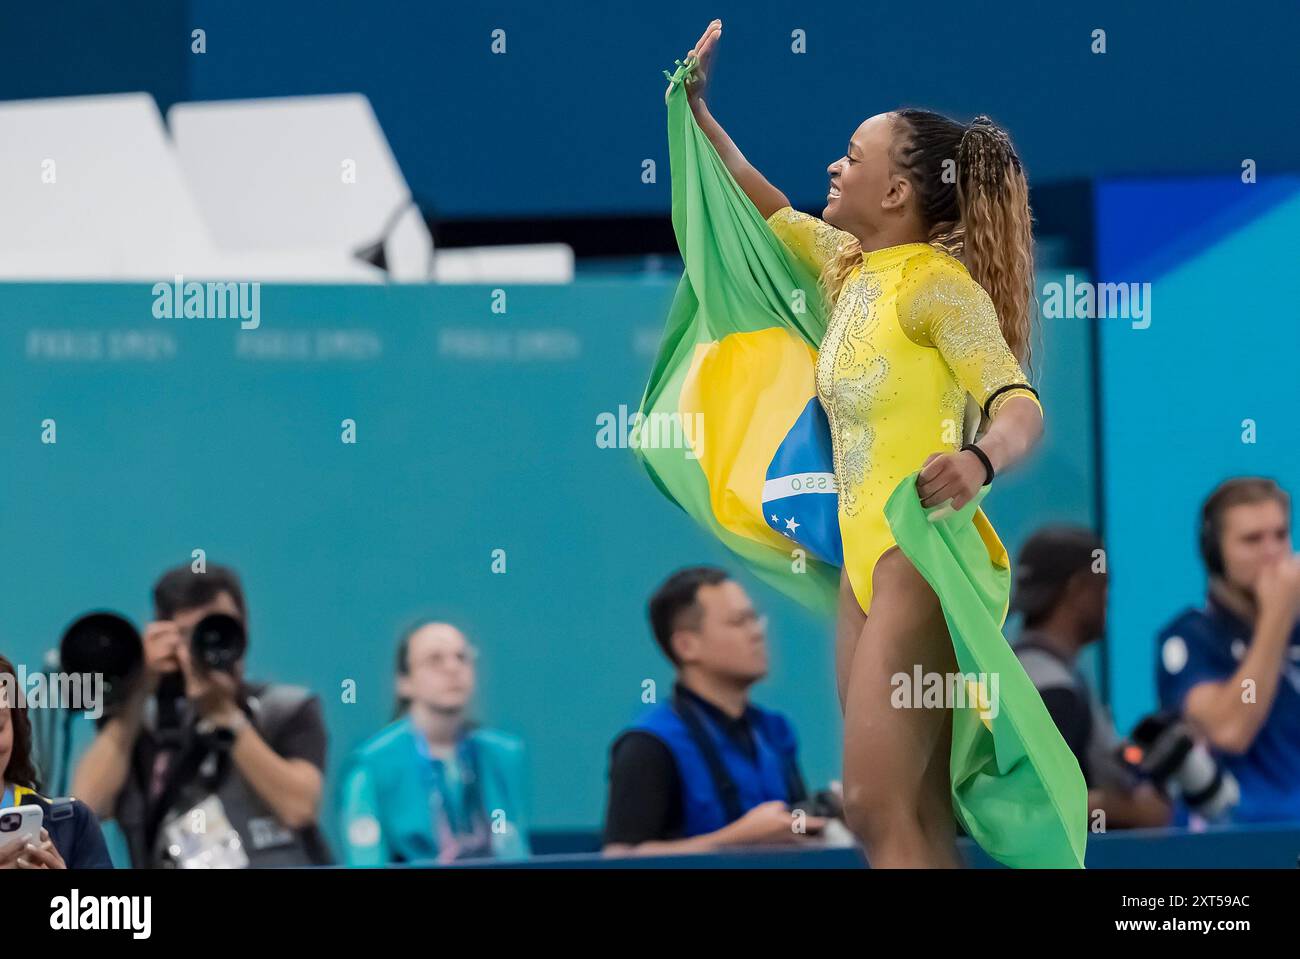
(762, 194)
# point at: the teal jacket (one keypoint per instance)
(391, 788)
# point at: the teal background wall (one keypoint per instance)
(1221, 349)
(476, 431)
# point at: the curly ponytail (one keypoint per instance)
(993, 201)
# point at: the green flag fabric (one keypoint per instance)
(729, 420)
(1016, 787)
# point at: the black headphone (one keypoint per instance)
(1208, 540)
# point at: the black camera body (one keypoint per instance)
(109, 644)
(1163, 750)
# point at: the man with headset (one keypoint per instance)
(1232, 668)
(706, 768)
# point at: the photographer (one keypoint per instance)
(1061, 592)
(198, 766)
(1232, 667)
(71, 837)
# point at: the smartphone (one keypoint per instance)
(21, 824)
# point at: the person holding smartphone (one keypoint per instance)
(70, 837)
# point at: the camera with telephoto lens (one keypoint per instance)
(109, 644)
(103, 643)
(218, 642)
(1162, 749)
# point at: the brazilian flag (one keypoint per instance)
(730, 427)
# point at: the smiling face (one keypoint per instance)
(866, 192)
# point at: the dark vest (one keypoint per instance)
(204, 768)
(719, 782)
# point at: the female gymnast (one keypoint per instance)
(925, 258)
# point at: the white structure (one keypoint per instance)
(287, 189)
(533, 263)
(90, 188)
(300, 174)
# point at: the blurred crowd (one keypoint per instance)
(200, 765)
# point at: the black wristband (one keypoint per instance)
(988, 465)
(1002, 389)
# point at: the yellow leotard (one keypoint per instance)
(912, 354)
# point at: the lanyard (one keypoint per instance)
(728, 792)
(459, 810)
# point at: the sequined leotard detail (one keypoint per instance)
(912, 354)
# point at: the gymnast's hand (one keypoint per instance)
(703, 51)
(957, 476)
